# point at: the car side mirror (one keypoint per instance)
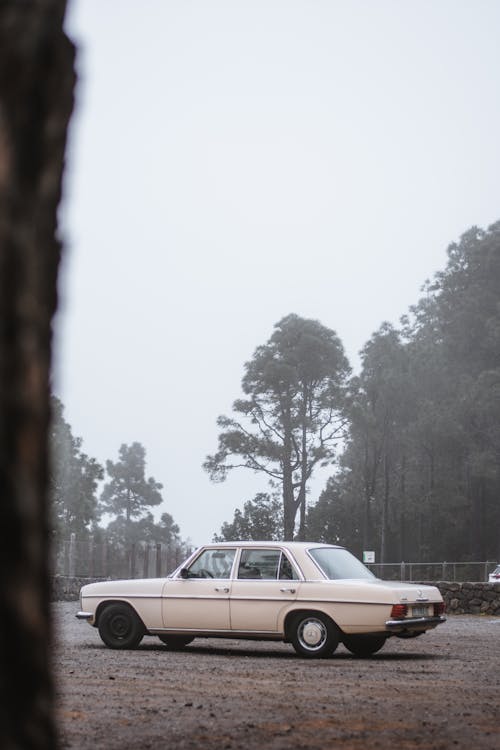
(184, 573)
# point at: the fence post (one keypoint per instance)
(146, 560)
(132, 560)
(402, 571)
(91, 557)
(104, 558)
(72, 554)
(158, 560)
(443, 572)
(66, 559)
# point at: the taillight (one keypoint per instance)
(399, 611)
(439, 609)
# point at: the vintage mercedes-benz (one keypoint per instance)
(313, 596)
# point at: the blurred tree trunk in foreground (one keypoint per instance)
(36, 98)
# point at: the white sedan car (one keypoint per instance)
(313, 596)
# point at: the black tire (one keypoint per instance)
(120, 627)
(314, 635)
(364, 645)
(176, 642)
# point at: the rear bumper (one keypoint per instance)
(413, 623)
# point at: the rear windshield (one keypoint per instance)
(339, 563)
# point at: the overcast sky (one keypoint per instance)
(234, 161)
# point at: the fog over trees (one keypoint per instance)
(74, 480)
(419, 474)
(413, 438)
(117, 510)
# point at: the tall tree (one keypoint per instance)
(261, 519)
(465, 311)
(424, 445)
(293, 415)
(36, 98)
(74, 479)
(128, 494)
(337, 518)
(380, 412)
(145, 529)
(169, 530)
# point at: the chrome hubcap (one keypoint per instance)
(312, 634)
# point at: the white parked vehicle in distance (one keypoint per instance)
(494, 576)
(313, 596)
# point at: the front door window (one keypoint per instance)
(212, 563)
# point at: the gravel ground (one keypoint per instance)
(441, 690)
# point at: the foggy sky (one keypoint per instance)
(233, 162)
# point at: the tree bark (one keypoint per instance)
(36, 98)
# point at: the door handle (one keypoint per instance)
(224, 589)
(288, 591)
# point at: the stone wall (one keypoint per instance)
(460, 598)
(470, 598)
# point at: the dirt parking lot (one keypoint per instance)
(441, 690)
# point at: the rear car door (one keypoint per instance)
(266, 582)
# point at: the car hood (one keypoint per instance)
(128, 588)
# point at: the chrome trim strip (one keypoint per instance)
(263, 599)
(206, 631)
(84, 615)
(121, 595)
(228, 596)
(309, 601)
(276, 599)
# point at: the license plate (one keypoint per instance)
(420, 611)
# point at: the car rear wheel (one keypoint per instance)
(314, 636)
(364, 645)
(175, 642)
(120, 627)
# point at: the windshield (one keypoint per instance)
(339, 563)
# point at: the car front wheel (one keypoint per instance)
(314, 636)
(364, 645)
(120, 627)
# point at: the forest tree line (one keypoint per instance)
(413, 440)
(84, 494)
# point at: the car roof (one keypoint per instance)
(288, 545)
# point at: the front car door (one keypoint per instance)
(266, 582)
(200, 601)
